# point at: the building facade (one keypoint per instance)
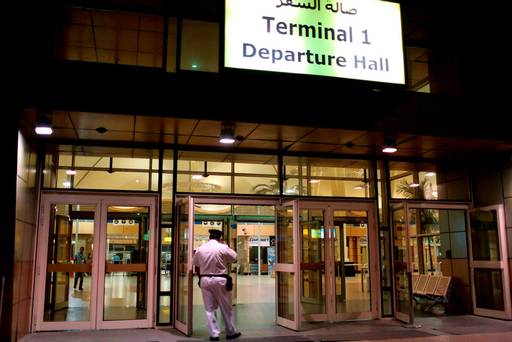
(138, 94)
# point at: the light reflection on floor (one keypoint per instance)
(120, 300)
(254, 306)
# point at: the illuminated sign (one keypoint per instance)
(356, 39)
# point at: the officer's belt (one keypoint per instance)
(214, 275)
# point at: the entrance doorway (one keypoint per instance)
(316, 256)
(430, 259)
(327, 262)
(95, 261)
(249, 229)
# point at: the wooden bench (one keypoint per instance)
(431, 287)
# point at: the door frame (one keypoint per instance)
(188, 328)
(329, 207)
(368, 205)
(100, 200)
(502, 264)
(415, 204)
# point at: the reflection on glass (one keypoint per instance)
(328, 177)
(199, 46)
(126, 263)
(400, 261)
(385, 257)
(165, 259)
(350, 237)
(425, 242)
(285, 295)
(165, 310)
(256, 185)
(387, 305)
(183, 290)
(484, 235)
(70, 250)
(284, 236)
(313, 261)
(489, 289)
(171, 45)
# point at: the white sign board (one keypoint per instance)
(263, 241)
(356, 39)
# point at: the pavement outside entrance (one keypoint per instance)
(433, 329)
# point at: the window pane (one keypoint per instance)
(130, 163)
(312, 272)
(284, 236)
(256, 168)
(328, 177)
(165, 310)
(167, 204)
(200, 46)
(166, 260)
(171, 45)
(428, 181)
(110, 37)
(256, 185)
(489, 289)
(211, 184)
(102, 168)
(484, 235)
(127, 242)
(285, 295)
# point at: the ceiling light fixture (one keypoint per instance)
(71, 172)
(43, 125)
(414, 185)
(389, 145)
(227, 133)
(430, 174)
(314, 181)
(205, 173)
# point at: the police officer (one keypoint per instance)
(211, 262)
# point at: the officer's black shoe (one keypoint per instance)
(232, 337)
(214, 338)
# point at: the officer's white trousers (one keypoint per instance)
(215, 295)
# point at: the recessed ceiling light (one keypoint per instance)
(389, 145)
(227, 133)
(43, 125)
(389, 149)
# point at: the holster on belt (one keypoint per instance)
(229, 280)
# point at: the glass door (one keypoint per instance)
(286, 267)
(184, 274)
(74, 279)
(401, 263)
(127, 246)
(67, 263)
(337, 262)
(313, 268)
(354, 261)
(488, 262)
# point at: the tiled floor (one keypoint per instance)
(255, 317)
(434, 329)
